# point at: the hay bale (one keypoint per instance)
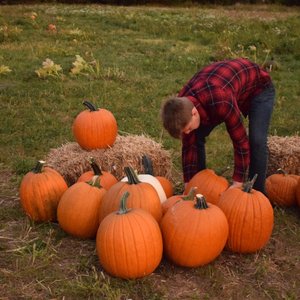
(284, 153)
(70, 160)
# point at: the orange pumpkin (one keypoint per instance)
(209, 184)
(78, 209)
(194, 234)
(298, 192)
(95, 128)
(40, 192)
(250, 217)
(129, 242)
(176, 198)
(281, 188)
(142, 195)
(106, 178)
(165, 182)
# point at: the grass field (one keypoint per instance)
(129, 59)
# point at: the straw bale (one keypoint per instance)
(284, 153)
(70, 160)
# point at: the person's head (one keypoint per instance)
(179, 116)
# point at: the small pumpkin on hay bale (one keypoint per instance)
(284, 153)
(70, 160)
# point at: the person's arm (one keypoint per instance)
(235, 184)
(190, 156)
(237, 132)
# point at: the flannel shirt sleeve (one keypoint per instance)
(226, 108)
(190, 156)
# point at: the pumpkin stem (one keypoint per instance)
(123, 204)
(131, 175)
(39, 167)
(281, 171)
(200, 202)
(191, 195)
(95, 181)
(90, 105)
(95, 167)
(147, 164)
(248, 185)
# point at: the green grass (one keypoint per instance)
(145, 54)
(149, 52)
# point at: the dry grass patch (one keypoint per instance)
(71, 160)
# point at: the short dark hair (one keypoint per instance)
(176, 113)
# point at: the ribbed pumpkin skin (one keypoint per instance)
(170, 202)
(107, 180)
(130, 245)
(167, 185)
(176, 198)
(78, 210)
(95, 129)
(146, 178)
(193, 237)
(250, 217)
(142, 195)
(209, 184)
(40, 194)
(281, 189)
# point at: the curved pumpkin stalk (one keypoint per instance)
(131, 175)
(90, 105)
(95, 182)
(39, 167)
(281, 171)
(248, 185)
(200, 202)
(147, 164)
(123, 204)
(96, 169)
(191, 195)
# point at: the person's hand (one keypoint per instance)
(236, 184)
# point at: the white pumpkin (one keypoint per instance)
(154, 182)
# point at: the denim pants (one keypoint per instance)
(259, 119)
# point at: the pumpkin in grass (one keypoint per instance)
(78, 209)
(209, 184)
(40, 192)
(281, 188)
(165, 182)
(142, 195)
(107, 179)
(194, 232)
(129, 242)
(176, 198)
(95, 128)
(250, 217)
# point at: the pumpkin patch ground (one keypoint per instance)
(127, 60)
(43, 262)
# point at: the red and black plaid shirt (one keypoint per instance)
(222, 92)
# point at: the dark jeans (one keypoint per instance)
(259, 120)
